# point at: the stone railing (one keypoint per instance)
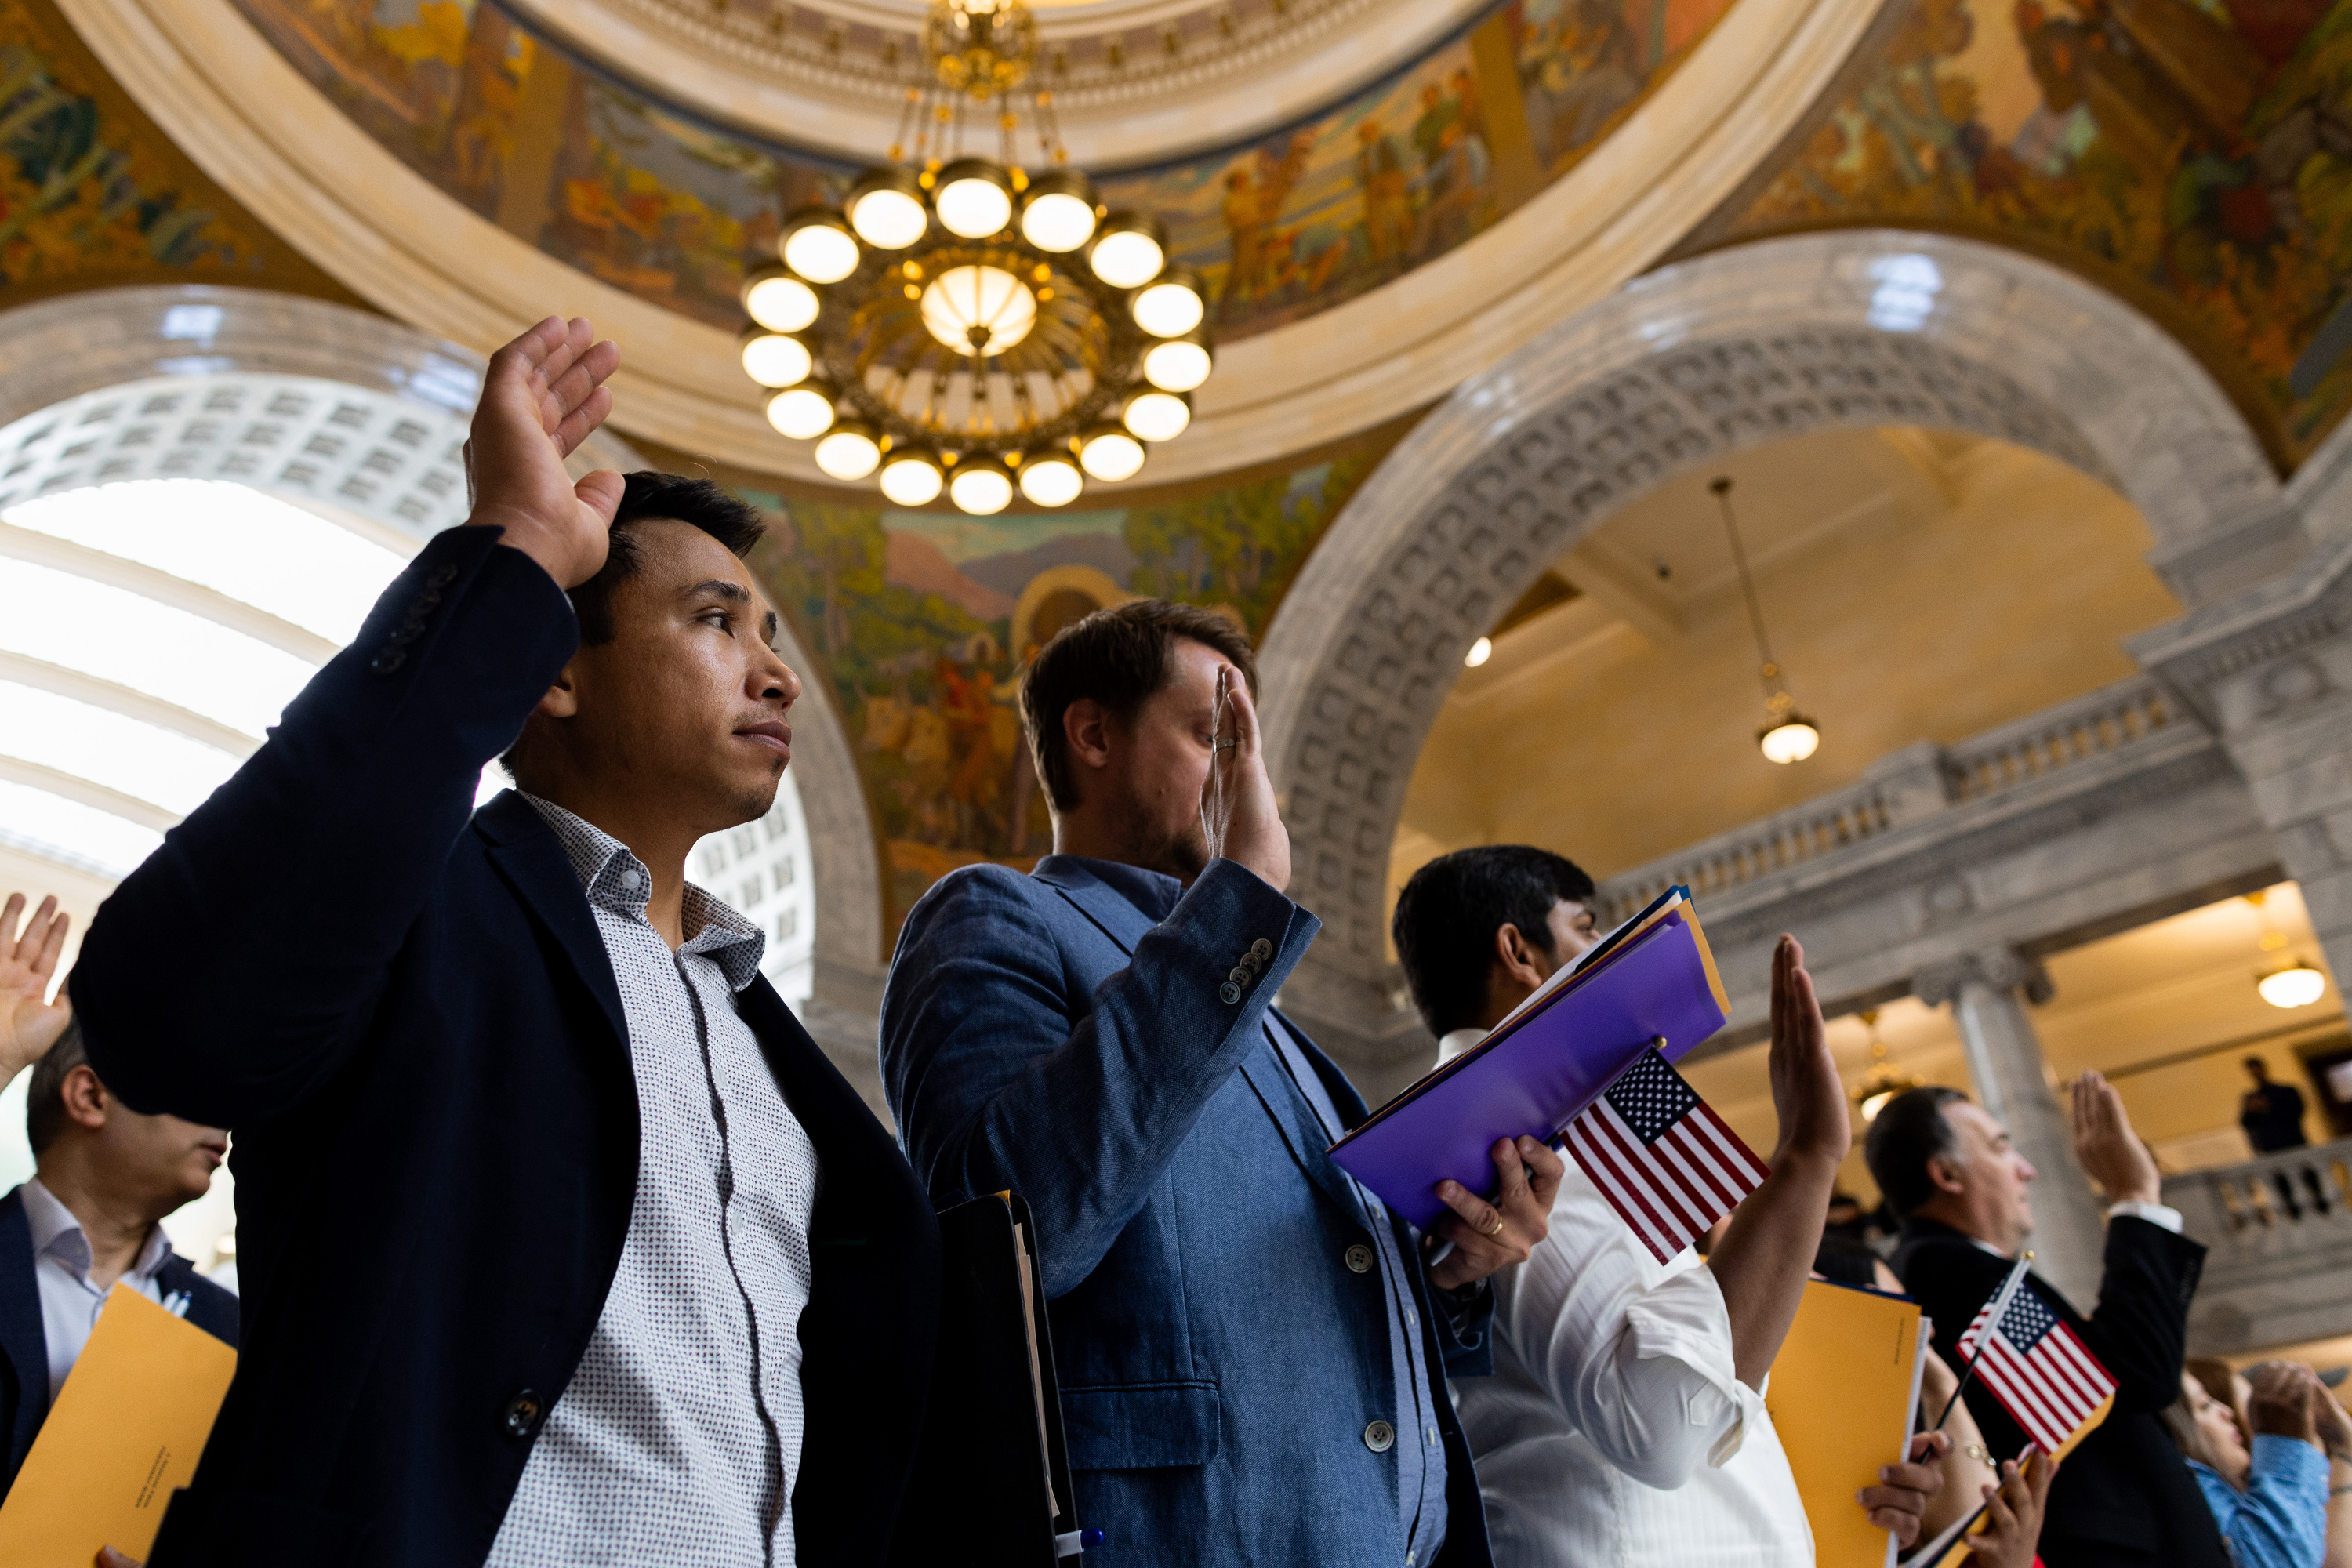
(2279, 1233)
(2109, 719)
(1906, 786)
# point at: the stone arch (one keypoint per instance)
(1736, 349)
(129, 373)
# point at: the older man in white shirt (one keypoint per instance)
(1623, 1424)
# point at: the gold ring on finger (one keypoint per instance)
(1494, 1228)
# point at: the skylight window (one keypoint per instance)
(133, 641)
(68, 831)
(253, 547)
(122, 754)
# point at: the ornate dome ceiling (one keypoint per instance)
(1131, 79)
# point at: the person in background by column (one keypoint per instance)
(2124, 1497)
(2271, 1115)
(105, 1177)
(1622, 1424)
(2269, 1497)
(29, 1022)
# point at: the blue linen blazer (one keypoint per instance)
(25, 1341)
(1219, 1358)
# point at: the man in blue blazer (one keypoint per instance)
(559, 1241)
(1252, 1351)
(90, 1220)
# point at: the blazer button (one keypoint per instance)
(1380, 1437)
(1359, 1258)
(523, 1414)
(1229, 993)
(1240, 974)
(387, 661)
(1262, 950)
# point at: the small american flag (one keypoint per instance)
(2050, 1385)
(1662, 1156)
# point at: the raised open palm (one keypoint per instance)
(29, 1023)
(544, 394)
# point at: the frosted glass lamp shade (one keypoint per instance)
(1057, 212)
(885, 208)
(1789, 740)
(2298, 985)
(1109, 454)
(803, 412)
(816, 243)
(1180, 364)
(778, 300)
(973, 198)
(981, 486)
(850, 450)
(1171, 305)
(912, 478)
(1051, 480)
(776, 358)
(1156, 416)
(978, 309)
(1128, 251)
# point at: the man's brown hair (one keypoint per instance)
(1116, 656)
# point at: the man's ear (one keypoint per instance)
(1946, 1174)
(1518, 956)
(86, 1099)
(1086, 727)
(562, 701)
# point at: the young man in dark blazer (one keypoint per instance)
(90, 1220)
(560, 1240)
(2124, 1497)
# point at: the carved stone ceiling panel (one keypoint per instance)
(1244, 65)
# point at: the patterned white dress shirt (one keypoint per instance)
(678, 1438)
(1616, 1429)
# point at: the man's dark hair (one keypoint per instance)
(1910, 1130)
(1447, 916)
(45, 1095)
(734, 523)
(1117, 656)
(2259, 1067)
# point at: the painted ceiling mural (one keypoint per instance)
(91, 193)
(656, 200)
(920, 619)
(2194, 155)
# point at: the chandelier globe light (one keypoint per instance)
(774, 298)
(912, 478)
(967, 325)
(2290, 980)
(1786, 735)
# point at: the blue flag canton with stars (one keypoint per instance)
(2027, 1318)
(1651, 1096)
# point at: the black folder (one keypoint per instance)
(992, 1478)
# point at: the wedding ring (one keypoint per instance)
(1494, 1230)
(1227, 744)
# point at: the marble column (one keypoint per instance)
(2012, 1083)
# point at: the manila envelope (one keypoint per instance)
(124, 1432)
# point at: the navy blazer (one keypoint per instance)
(24, 1342)
(2125, 1495)
(1220, 1357)
(404, 1011)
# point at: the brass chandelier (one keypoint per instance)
(965, 324)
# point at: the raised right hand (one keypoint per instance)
(29, 1023)
(1238, 816)
(2111, 1153)
(543, 395)
(1806, 1092)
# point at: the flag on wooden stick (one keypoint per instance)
(1660, 1155)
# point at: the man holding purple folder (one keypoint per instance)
(1253, 1350)
(1623, 1422)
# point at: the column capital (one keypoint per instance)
(2001, 968)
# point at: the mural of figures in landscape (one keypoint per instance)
(921, 621)
(88, 185)
(2201, 148)
(656, 201)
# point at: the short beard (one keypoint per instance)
(1183, 854)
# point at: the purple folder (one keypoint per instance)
(1537, 1072)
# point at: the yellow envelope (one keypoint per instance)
(124, 1432)
(1840, 1397)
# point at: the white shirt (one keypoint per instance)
(1616, 1429)
(70, 1301)
(678, 1438)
